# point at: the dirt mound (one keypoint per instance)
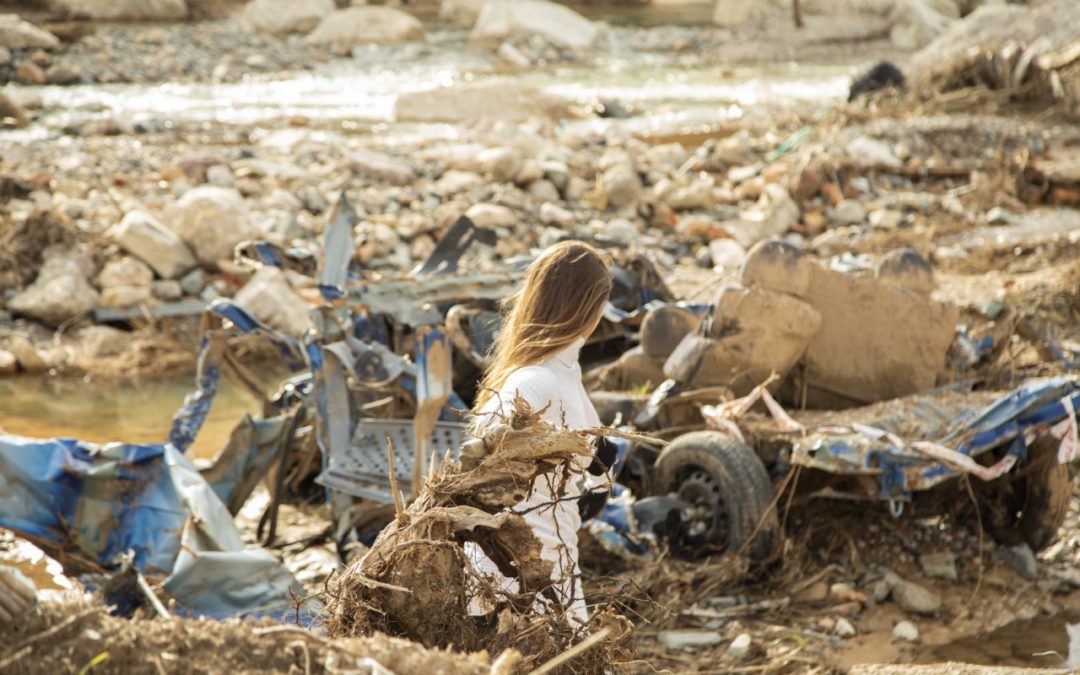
(68, 636)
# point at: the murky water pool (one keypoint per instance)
(1042, 642)
(133, 411)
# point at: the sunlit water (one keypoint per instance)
(666, 88)
(135, 411)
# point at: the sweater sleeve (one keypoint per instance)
(540, 388)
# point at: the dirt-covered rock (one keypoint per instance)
(281, 17)
(354, 26)
(146, 238)
(18, 34)
(61, 291)
(559, 25)
(271, 299)
(127, 10)
(487, 100)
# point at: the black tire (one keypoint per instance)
(1028, 505)
(727, 482)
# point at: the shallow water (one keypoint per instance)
(1044, 642)
(358, 93)
(133, 411)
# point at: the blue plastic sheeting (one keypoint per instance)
(97, 502)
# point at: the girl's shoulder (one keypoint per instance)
(531, 381)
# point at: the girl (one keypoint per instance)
(536, 356)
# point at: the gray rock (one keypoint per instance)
(491, 215)
(382, 167)
(689, 639)
(468, 102)
(125, 271)
(127, 10)
(270, 299)
(544, 191)
(848, 212)
(167, 290)
(18, 34)
(906, 631)
(621, 230)
(347, 28)
(61, 291)
(740, 646)
(844, 628)
(554, 23)
(126, 296)
(998, 216)
(211, 220)
(220, 175)
(8, 363)
(939, 565)
(194, 281)
(912, 597)
(159, 247)
(63, 73)
(26, 354)
(553, 214)
(886, 219)
(501, 164)
(281, 17)
(1020, 559)
(622, 186)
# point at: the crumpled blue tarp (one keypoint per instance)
(96, 502)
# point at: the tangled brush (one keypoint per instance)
(416, 581)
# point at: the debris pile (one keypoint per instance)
(416, 581)
(77, 633)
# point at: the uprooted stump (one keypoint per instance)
(416, 581)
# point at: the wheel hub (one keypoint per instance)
(707, 512)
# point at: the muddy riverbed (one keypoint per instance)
(711, 121)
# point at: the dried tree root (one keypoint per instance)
(416, 582)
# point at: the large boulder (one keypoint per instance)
(562, 26)
(18, 34)
(280, 17)
(270, 299)
(501, 100)
(127, 10)
(354, 26)
(211, 220)
(141, 235)
(61, 291)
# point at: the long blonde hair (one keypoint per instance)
(565, 291)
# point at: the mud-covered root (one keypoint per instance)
(417, 583)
